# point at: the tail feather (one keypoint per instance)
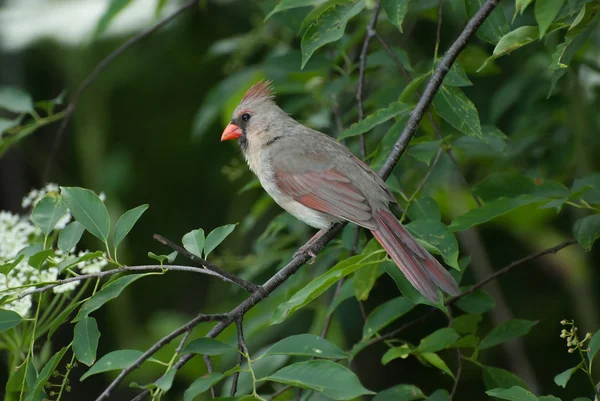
(421, 269)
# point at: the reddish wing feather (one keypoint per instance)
(328, 191)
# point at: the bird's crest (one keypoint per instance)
(262, 90)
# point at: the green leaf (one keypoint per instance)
(512, 41)
(424, 151)
(60, 319)
(592, 182)
(207, 346)
(162, 258)
(166, 381)
(455, 107)
(323, 282)
(108, 292)
(289, 4)
(396, 11)
(15, 100)
(345, 293)
(45, 374)
(513, 185)
(9, 319)
(500, 378)
(87, 208)
(364, 280)
(400, 392)
(217, 236)
(201, 385)
(126, 223)
(328, 378)
(584, 18)
(565, 52)
(75, 261)
(424, 209)
(468, 341)
(47, 212)
(85, 340)
(563, 378)
(456, 75)
(37, 260)
(328, 27)
(372, 120)
(466, 324)
(587, 230)
(495, 25)
(395, 353)
(113, 9)
(385, 314)
(549, 398)
(476, 303)
(408, 94)
(115, 360)
(545, 12)
(438, 340)
(435, 361)
(513, 394)
(70, 236)
(307, 345)
(194, 242)
(439, 237)
(439, 395)
(594, 346)
(7, 267)
(506, 331)
(491, 210)
(521, 5)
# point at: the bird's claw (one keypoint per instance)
(307, 250)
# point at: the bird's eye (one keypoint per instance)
(246, 117)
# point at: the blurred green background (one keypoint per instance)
(147, 131)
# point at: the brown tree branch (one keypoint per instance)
(96, 71)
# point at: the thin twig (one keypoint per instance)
(399, 148)
(158, 345)
(247, 285)
(243, 348)
(209, 369)
(141, 268)
(182, 342)
(439, 29)
(361, 73)
(96, 71)
(432, 166)
(458, 373)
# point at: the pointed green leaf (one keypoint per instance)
(512, 394)
(406, 288)
(400, 392)
(306, 345)
(108, 292)
(435, 360)
(455, 107)
(201, 385)
(75, 261)
(217, 236)
(115, 360)
(439, 237)
(328, 27)
(194, 242)
(476, 303)
(466, 324)
(166, 381)
(87, 208)
(385, 314)
(70, 236)
(60, 319)
(207, 346)
(506, 331)
(15, 100)
(45, 374)
(328, 378)
(587, 230)
(372, 120)
(521, 5)
(545, 12)
(323, 282)
(85, 340)
(396, 352)
(563, 378)
(500, 378)
(396, 11)
(438, 340)
(424, 209)
(495, 25)
(126, 223)
(47, 212)
(594, 346)
(9, 319)
(289, 4)
(113, 9)
(512, 41)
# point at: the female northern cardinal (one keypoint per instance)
(320, 181)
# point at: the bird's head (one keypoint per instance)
(253, 116)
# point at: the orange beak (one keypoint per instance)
(232, 131)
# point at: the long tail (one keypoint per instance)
(420, 268)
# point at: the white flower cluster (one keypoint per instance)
(16, 233)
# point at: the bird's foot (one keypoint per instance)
(306, 249)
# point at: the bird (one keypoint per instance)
(321, 182)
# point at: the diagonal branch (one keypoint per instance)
(96, 71)
(399, 148)
(247, 285)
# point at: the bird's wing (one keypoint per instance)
(313, 181)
